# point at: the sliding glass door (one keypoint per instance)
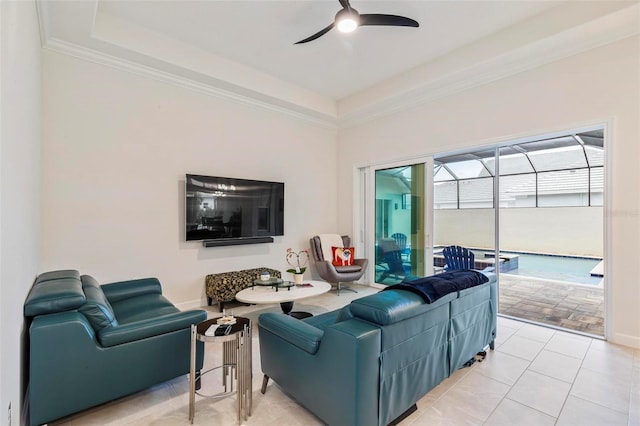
(399, 223)
(544, 198)
(465, 206)
(531, 210)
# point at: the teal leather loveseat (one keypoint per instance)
(371, 361)
(91, 343)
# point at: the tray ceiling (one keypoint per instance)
(247, 48)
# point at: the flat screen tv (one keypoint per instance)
(224, 208)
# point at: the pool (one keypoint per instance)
(558, 268)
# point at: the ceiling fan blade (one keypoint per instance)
(391, 20)
(316, 35)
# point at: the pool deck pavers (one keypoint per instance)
(575, 307)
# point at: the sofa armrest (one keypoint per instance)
(345, 371)
(131, 288)
(150, 327)
(294, 331)
(43, 327)
(490, 272)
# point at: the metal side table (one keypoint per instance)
(236, 365)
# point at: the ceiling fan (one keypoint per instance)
(348, 19)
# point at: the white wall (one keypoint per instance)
(559, 230)
(592, 87)
(19, 190)
(465, 227)
(116, 148)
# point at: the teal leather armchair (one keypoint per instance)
(91, 343)
(371, 361)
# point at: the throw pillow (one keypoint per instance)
(343, 256)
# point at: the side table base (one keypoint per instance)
(236, 365)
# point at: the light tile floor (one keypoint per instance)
(536, 376)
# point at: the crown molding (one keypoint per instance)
(43, 21)
(248, 98)
(198, 82)
(605, 30)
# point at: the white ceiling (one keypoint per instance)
(261, 34)
(247, 47)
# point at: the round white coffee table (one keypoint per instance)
(264, 295)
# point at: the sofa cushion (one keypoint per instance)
(150, 327)
(347, 269)
(57, 275)
(386, 307)
(131, 288)
(97, 308)
(142, 308)
(55, 291)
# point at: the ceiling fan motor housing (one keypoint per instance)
(347, 20)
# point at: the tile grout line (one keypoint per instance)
(573, 382)
(514, 383)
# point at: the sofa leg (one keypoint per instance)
(492, 345)
(221, 304)
(209, 301)
(265, 380)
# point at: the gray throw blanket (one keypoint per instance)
(434, 287)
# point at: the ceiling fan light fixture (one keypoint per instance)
(347, 20)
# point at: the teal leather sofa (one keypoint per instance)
(371, 361)
(91, 343)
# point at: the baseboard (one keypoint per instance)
(191, 304)
(626, 340)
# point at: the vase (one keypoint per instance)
(297, 278)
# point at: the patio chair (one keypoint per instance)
(401, 241)
(391, 259)
(395, 266)
(457, 257)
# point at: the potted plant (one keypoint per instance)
(298, 261)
